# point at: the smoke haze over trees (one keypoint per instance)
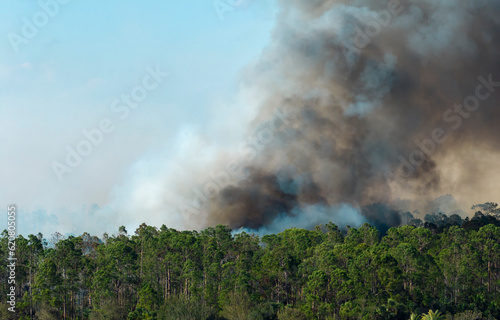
(390, 104)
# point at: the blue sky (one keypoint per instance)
(64, 79)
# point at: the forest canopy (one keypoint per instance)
(446, 265)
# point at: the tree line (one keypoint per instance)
(447, 272)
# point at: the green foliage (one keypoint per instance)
(468, 315)
(433, 315)
(414, 316)
(47, 312)
(180, 308)
(291, 314)
(322, 274)
(237, 306)
(108, 309)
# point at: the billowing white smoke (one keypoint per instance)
(342, 215)
(387, 100)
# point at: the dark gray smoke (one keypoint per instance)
(391, 100)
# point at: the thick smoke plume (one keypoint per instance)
(391, 103)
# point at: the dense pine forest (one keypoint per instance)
(448, 266)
